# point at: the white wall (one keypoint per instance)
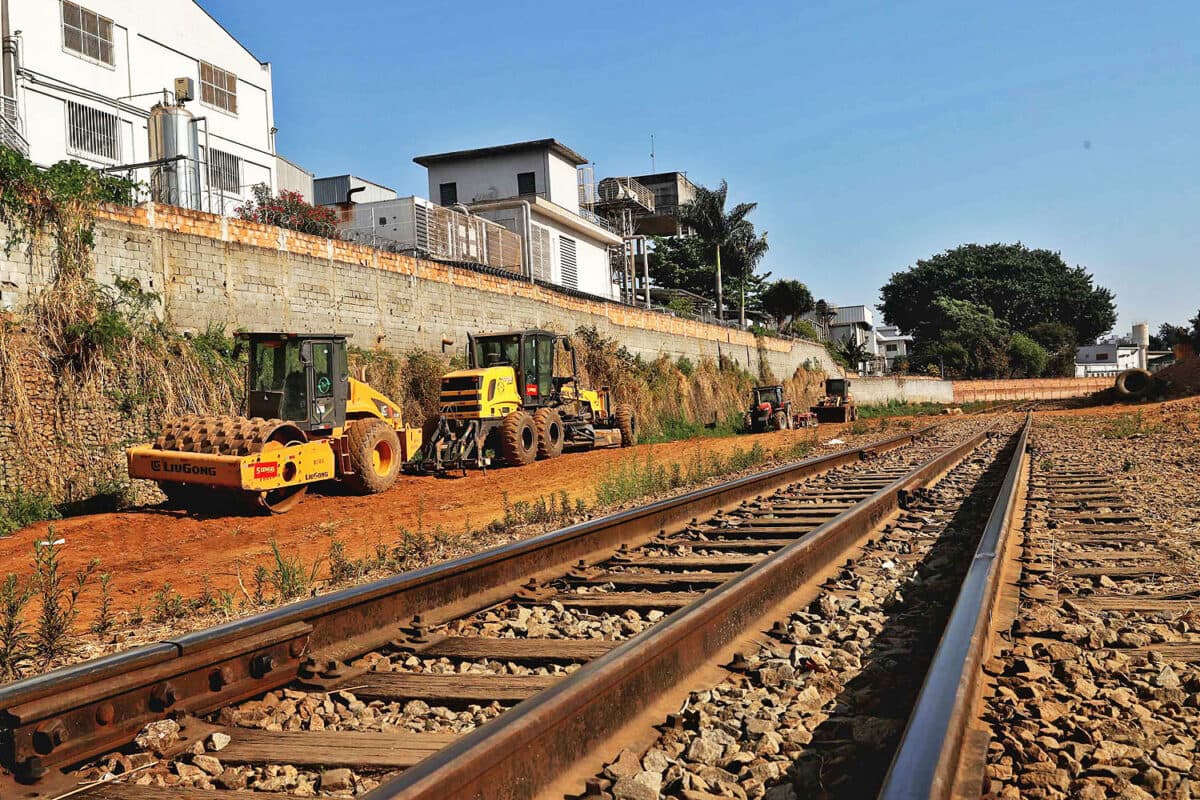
(564, 183)
(154, 42)
(489, 178)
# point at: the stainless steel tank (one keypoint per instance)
(172, 131)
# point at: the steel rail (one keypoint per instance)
(76, 712)
(926, 762)
(527, 748)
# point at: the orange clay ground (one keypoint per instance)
(147, 547)
(144, 548)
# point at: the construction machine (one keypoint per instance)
(518, 400)
(306, 421)
(768, 410)
(836, 405)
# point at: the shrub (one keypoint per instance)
(23, 508)
(288, 210)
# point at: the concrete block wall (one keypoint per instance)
(215, 270)
(1028, 389)
(901, 389)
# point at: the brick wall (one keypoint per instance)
(210, 269)
(1028, 389)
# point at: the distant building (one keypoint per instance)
(671, 190)
(336, 189)
(883, 344)
(533, 189)
(891, 344)
(291, 177)
(1107, 358)
(78, 80)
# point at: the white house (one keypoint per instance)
(1106, 358)
(80, 79)
(531, 188)
(891, 344)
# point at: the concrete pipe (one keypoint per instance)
(1134, 383)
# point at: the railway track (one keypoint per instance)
(1091, 693)
(498, 674)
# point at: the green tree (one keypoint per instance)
(785, 300)
(1059, 342)
(970, 340)
(1021, 287)
(680, 262)
(716, 227)
(1168, 336)
(746, 250)
(1026, 357)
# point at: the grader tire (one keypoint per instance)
(550, 433)
(374, 455)
(627, 425)
(518, 439)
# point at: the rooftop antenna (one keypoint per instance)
(653, 169)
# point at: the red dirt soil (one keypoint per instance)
(144, 548)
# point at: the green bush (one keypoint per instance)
(21, 508)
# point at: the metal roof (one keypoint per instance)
(553, 145)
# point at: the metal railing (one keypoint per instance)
(625, 191)
(12, 132)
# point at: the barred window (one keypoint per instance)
(224, 172)
(218, 87)
(93, 132)
(87, 33)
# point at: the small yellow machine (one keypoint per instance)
(511, 404)
(307, 421)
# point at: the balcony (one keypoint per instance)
(12, 132)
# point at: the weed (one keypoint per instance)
(262, 579)
(104, 617)
(23, 508)
(224, 603)
(288, 576)
(14, 640)
(1127, 426)
(168, 605)
(342, 569)
(58, 596)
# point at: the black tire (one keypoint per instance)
(779, 421)
(550, 433)
(374, 455)
(627, 424)
(518, 439)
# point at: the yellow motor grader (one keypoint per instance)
(511, 405)
(306, 421)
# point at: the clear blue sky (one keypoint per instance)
(870, 135)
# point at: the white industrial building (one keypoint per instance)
(337, 189)
(80, 80)
(1115, 354)
(532, 189)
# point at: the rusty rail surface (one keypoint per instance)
(927, 761)
(530, 746)
(54, 720)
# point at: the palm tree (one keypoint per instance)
(746, 249)
(714, 226)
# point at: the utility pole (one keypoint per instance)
(652, 167)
